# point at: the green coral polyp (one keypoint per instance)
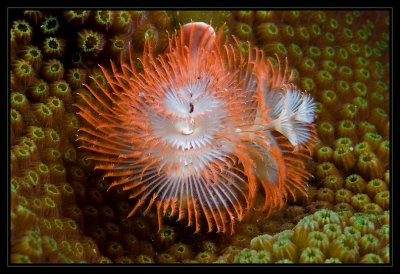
(24, 71)
(381, 87)
(361, 35)
(371, 258)
(373, 139)
(302, 34)
(124, 17)
(32, 178)
(345, 35)
(76, 77)
(61, 90)
(345, 249)
(333, 24)
(252, 256)
(326, 195)
(284, 249)
(347, 128)
(360, 62)
(53, 70)
(365, 127)
(324, 154)
(333, 182)
(34, 56)
(43, 115)
(377, 99)
(267, 32)
(22, 31)
(307, 66)
(295, 52)
(19, 102)
(362, 224)
(361, 104)
(76, 16)
(328, 53)
(326, 131)
(244, 46)
(379, 117)
(36, 134)
(315, 31)
(312, 255)
(17, 123)
(343, 196)
(314, 52)
(329, 98)
(277, 48)
(324, 79)
(353, 49)
(329, 37)
(104, 18)
(342, 56)
(50, 25)
(343, 88)
(362, 75)
(329, 65)
(287, 32)
(91, 42)
(56, 106)
(244, 31)
(375, 186)
(326, 169)
(53, 47)
(345, 73)
(332, 231)
(360, 89)
(355, 183)
(118, 45)
(349, 111)
(383, 151)
(38, 91)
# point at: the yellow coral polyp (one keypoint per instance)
(344, 248)
(319, 240)
(262, 242)
(30, 244)
(312, 255)
(332, 231)
(302, 229)
(371, 258)
(285, 249)
(382, 198)
(369, 166)
(325, 216)
(369, 244)
(361, 223)
(343, 196)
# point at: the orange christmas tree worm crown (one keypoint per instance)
(201, 131)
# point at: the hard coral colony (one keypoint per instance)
(202, 131)
(146, 112)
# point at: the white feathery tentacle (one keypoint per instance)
(291, 112)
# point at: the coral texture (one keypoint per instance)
(61, 209)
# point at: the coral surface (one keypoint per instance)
(61, 208)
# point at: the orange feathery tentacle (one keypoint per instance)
(199, 130)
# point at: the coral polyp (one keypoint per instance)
(201, 130)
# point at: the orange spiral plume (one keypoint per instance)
(201, 131)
